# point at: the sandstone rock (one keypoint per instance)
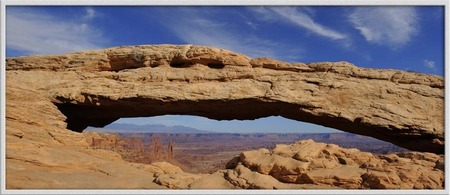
(267, 163)
(48, 156)
(328, 165)
(60, 168)
(47, 96)
(233, 162)
(177, 181)
(212, 181)
(97, 87)
(345, 176)
(243, 177)
(167, 168)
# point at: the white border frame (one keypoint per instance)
(5, 3)
(227, 2)
(2, 96)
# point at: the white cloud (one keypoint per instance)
(391, 26)
(90, 13)
(264, 14)
(192, 28)
(305, 21)
(32, 32)
(252, 25)
(429, 64)
(298, 16)
(206, 23)
(220, 38)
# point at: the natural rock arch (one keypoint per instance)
(95, 88)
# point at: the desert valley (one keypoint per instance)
(210, 152)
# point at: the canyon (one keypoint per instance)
(51, 99)
(210, 152)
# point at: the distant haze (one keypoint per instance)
(273, 124)
(148, 128)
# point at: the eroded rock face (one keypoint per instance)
(98, 87)
(47, 96)
(328, 165)
(310, 165)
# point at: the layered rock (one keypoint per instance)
(131, 148)
(328, 165)
(311, 165)
(42, 154)
(97, 87)
(47, 96)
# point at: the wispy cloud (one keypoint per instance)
(252, 25)
(195, 28)
(90, 13)
(36, 32)
(219, 37)
(391, 26)
(429, 64)
(301, 17)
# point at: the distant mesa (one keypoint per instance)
(207, 153)
(303, 164)
(133, 149)
(148, 128)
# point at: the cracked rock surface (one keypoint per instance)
(327, 165)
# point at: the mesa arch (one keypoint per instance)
(95, 88)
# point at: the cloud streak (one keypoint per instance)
(194, 28)
(35, 32)
(429, 64)
(390, 26)
(303, 20)
(90, 13)
(300, 17)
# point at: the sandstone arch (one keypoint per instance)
(95, 88)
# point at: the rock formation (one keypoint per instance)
(308, 162)
(312, 165)
(157, 153)
(156, 148)
(131, 148)
(95, 88)
(47, 96)
(113, 142)
(170, 154)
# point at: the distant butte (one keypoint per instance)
(47, 96)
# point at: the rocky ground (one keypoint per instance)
(327, 165)
(311, 165)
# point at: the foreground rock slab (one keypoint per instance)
(327, 165)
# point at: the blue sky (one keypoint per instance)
(404, 38)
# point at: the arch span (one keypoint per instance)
(95, 88)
